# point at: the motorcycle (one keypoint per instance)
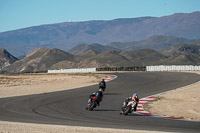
(92, 103)
(128, 108)
(94, 100)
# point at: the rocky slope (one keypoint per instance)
(6, 58)
(40, 59)
(183, 54)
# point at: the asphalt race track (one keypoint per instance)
(68, 107)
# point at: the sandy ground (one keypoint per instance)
(15, 85)
(11, 127)
(180, 103)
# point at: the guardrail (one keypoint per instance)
(173, 68)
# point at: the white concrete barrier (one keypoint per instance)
(76, 70)
(173, 68)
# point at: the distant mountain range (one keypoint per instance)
(156, 42)
(42, 59)
(66, 35)
(183, 54)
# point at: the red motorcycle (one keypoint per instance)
(92, 103)
(94, 100)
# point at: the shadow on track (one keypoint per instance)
(105, 110)
(112, 94)
(134, 114)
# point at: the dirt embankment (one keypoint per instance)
(180, 103)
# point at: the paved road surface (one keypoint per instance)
(68, 107)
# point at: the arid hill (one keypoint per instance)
(86, 55)
(183, 54)
(156, 42)
(40, 59)
(6, 58)
(79, 49)
(43, 59)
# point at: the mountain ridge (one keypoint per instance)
(156, 42)
(66, 35)
(86, 47)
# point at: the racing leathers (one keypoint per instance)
(132, 99)
(102, 85)
(99, 96)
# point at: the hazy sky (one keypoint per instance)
(16, 14)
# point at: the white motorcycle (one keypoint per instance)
(128, 108)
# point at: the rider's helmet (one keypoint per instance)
(135, 96)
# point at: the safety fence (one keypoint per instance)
(173, 68)
(76, 70)
(135, 68)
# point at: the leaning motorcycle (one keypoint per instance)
(92, 103)
(128, 108)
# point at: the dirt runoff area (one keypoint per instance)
(26, 84)
(180, 103)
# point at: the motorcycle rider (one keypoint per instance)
(133, 98)
(99, 95)
(102, 85)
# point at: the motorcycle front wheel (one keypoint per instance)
(127, 110)
(92, 105)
